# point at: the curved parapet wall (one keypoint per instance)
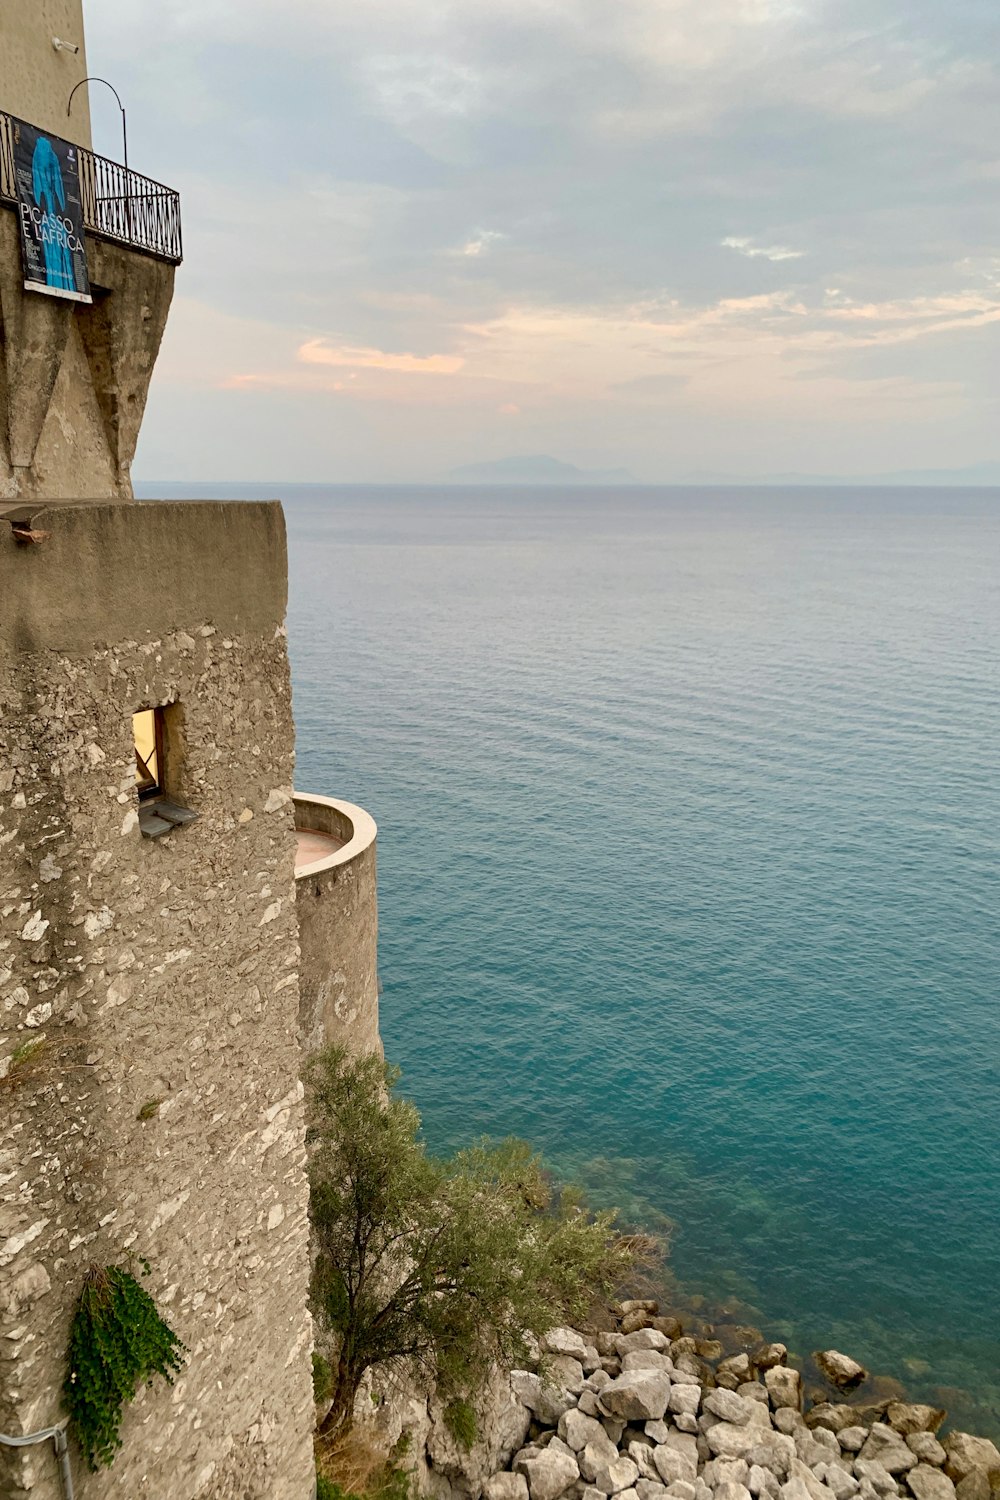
(335, 898)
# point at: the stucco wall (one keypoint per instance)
(153, 971)
(74, 378)
(337, 909)
(35, 79)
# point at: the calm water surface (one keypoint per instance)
(688, 810)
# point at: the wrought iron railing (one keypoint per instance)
(118, 204)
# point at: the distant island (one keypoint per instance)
(538, 469)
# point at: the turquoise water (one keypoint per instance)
(688, 810)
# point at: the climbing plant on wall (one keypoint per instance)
(117, 1340)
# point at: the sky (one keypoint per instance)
(683, 237)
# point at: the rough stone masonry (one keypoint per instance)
(150, 1103)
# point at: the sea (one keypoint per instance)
(689, 821)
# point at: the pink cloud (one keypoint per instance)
(318, 352)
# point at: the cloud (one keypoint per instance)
(339, 171)
(318, 352)
(760, 252)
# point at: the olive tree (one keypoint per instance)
(453, 1263)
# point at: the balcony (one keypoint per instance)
(118, 204)
(337, 906)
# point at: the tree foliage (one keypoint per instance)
(117, 1340)
(449, 1262)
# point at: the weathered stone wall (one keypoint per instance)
(337, 907)
(74, 378)
(161, 1115)
(35, 79)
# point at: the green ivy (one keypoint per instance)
(117, 1340)
(460, 1420)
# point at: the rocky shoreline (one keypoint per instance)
(642, 1411)
(645, 1413)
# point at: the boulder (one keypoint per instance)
(736, 1368)
(672, 1466)
(852, 1439)
(928, 1483)
(644, 1338)
(784, 1387)
(708, 1349)
(637, 1395)
(838, 1480)
(976, 1486)
(840, 1369)
(667, 1326)
(641, 1455)
(877, 1475)
(794, 1489)
(613, 1427)
(549, 1473)
(887, 1447)
(686, 1421)
(601, 1451)
(564, 1372)
(613, 1475)
(648, 1489)
(963, 1453)
(658, 1431)
(633, 1321)
(927, 1448)
(719, 1469)
(540, 1396)
(646, 1359)
(834, 1417)
(681, 1489)
(772, 1450)
(728, 1406)
(505, 1487)
(564, 1341)
(577, 1429)
(732, 1440)
(762, 1482)
(638, 1304)
(910, 1416)
(730, 1490)
(685, 1398)
(752, 1390)
(766, 1356)
(789, 1421)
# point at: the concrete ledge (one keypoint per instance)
(352, 828)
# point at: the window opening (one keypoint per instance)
(147, 735)
(158, 813)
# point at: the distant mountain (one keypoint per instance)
(538, 469)
(976, 474)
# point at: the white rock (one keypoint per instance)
(788, 1421)
(548, 1473)
(966, 1453)
(564, 1372)
(721, 1470)
(658, 1430)
(926, 1446)
(928, 1483)
(564, 1341)
(577, 1429)
(877, 1474)
(835, 1478)
(762, 1481)
(648, 1489)
(728, 1407)
(589, 1404)
(681, 1490)
(546, 1401)
(686, 1421)
(685, 1398)
(673, 1466)
(784, 1386)
(619, 1473)
(839, 1368)
(505, 1487)
(644, 1338)
(600, 1452)
(887, 1447)
(641, 1455)
(638, 1395)
(728, 1490)
(647, 1359)
(794, 1489)
(852, 1439)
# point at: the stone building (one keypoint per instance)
(176, 924)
